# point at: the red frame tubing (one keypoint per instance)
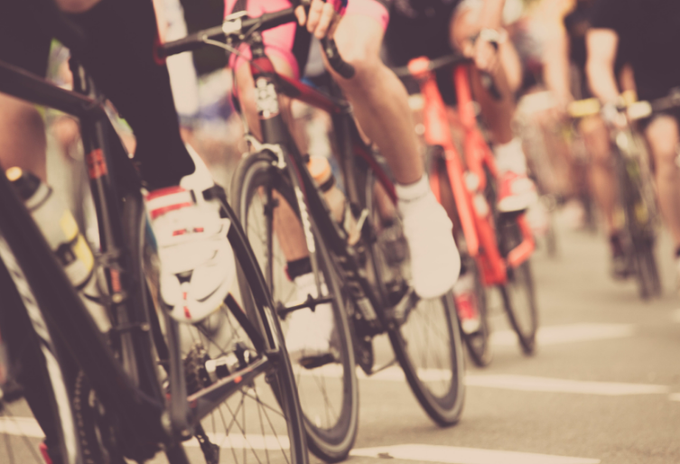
(437, 133)
(523, 251)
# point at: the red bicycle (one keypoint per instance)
(494, 247)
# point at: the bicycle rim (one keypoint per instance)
(518, 293)
(478, 343)
(328, 393)
(42, 405)
(427, 340)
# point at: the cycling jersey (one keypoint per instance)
(290, 41)
(421, 28)
(649, 33)
(577, 23)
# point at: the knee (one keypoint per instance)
(662, 135)
(363, 61)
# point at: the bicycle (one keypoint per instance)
(638, 208)
(495, 247)
(368, 292)
(149, 383)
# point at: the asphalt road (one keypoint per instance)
(600, 389)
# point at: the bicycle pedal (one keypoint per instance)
(312, 362)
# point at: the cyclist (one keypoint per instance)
(565, 24)
(648, 32)
(380, 105)
(435, 28)
(121, 56)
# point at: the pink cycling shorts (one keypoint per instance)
(280, 40)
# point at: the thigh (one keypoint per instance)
(25, 35)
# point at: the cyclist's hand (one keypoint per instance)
(485, 55)
(321, 17)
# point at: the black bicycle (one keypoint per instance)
(639, 210)
(221, 390)
(366, 283)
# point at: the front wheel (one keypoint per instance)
(425, 334)
(265, 201)
(519, 298)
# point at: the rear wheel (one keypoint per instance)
(518, 293)
(328, 390)
(424, 334)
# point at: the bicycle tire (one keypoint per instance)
(30, 344)
(446, 405)
(523, 315)
(478, 342)
(330, 439)
(646, 269)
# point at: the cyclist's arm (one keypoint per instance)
(491, 16)
(602, 45)
(556, 53)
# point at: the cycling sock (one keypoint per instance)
(299, 267)
(121, 57)
(510, 157)
(410, 195)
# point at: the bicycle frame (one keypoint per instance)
(468, 182)
(139, 407)
(310, 202)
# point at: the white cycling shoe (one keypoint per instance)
(309, 333)
(435, 261)
(196, 259)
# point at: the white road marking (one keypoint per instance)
(510, 382)
(675, 315)
(545, 384)
(674, 397)
(23, 426)
(571, 333)
(458, 455)
(29, 427)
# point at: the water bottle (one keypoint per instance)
(320, 169)
(64, 238)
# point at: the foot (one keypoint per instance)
(619, 268)
(466, 304)
(516, 192)
(309, 333)
(435, 262)
(196, 260)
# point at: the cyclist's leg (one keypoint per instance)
(380, 104)
(516, 191)
(22, 130)
(662, 136)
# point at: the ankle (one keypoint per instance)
(411, 197)
(510, 157)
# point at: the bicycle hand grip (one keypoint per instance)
(339, 65)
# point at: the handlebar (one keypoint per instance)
(236, 26)
(452, 60)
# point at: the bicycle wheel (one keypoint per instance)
(425, 334)
(646, 268)
(477, 342)
(518, 293)
(261, 422)
(34, 399)
(328, 392)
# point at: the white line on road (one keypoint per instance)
(508, 382)
(545, 384)
(29, 427)
(458, 455)
(674, 397)
(675, 315)
(559, 334)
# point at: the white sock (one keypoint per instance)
(409, 197)
(510, 157)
